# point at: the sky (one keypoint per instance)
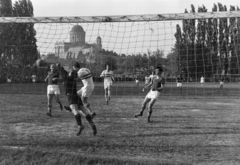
(119, 7)
(124, 38)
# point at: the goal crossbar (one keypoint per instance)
(122, 18)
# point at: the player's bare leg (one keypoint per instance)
(106, 95)
(221, 86)
(88, 108)
(109, 92)
(78, 119)
(150, 109)
(86, 104)
(58, 101)
(89, 119)
(50, 97)
(144, 104)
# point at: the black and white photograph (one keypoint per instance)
(119, 82)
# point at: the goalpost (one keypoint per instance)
(190, 45)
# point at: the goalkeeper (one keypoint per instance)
(75, 102)
(156, 84)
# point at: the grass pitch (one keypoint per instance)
(198, 125)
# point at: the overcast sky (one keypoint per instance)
(131, 38)
(119, 7)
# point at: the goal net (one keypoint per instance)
(191, 46)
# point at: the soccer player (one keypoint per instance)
(221, 83)
(179, 82)
(151, 76)
(75, 102)
(137, 81)
(34, 77)
(156, 84)
(53, 88)
(88, 86)
(9, 80)
(149, 79)
(202, 81)
(146, 80)
(108, 80)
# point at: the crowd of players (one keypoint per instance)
(78, 99)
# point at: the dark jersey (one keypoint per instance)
(71, 88)
(157, 82)
(70, 83)
(179, 79)
(53, 77)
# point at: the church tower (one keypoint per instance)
(99, 43)
(77, 35)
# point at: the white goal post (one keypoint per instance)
(148, 39)
(122, 18)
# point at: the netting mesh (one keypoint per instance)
(198, 56)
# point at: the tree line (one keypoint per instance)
(202, 47)
(17, 40)
(208, 47)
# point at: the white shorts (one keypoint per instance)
(137, 81)
(221, 83)
(85, 91)
(153, 94)
(179, 84)
(9, 81)
(33, 81)
(53, 89)
(107, 84)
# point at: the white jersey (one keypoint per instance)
(108, 76)
(147, 80)
(86, 76)
(34, 78)
(151, 78)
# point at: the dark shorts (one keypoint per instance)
(75, 99)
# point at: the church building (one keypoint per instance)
(77, 48)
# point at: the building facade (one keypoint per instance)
(77, 48)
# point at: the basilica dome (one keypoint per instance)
(77, 29)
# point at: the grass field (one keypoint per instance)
(200, 125)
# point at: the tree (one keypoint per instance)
(172, 63)
(25, 48)
(5, 30)
(210, 46)
(17, 40)
(159, 54)
(5, 8)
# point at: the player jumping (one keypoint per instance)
(75, 102)
(108, 80)
(156, 84)
(53, 88)
(88, 86)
